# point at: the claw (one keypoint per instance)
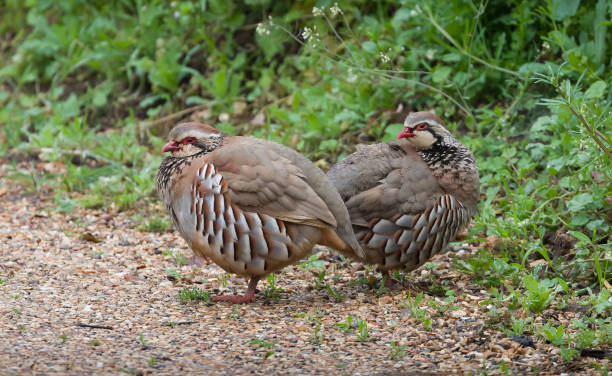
(249, 297)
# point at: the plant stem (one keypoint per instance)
(462, 50)
(593, 133)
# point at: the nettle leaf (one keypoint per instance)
(401, 17)
(543, 123)
(369, 46)
(564, 8)
(579, 220)
(579, 201)
(392, 131)
(565, 182)
(537, 67)
(440, 74)
(555, 165)
(596, 91)
(598, 225)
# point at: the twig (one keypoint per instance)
(170, 323)
(185, 322)
(596, 353)
(418, 83)
(93, 326)
(148, 124)
(545, 203)
(83, 154)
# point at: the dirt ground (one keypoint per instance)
(61, 272)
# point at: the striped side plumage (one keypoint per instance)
(245, 238)
(408, 241)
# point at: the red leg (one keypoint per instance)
(389, 283)
(197, 260)
(246, 298)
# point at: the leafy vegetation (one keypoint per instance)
(194, 294)
(418, 313)
(526, 85)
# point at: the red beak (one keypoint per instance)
(405, 133)
(170, 146)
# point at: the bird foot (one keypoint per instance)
(390, 283)
(249, 297)
(197, 260)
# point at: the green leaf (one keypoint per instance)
(600, 30)
(441, 74)
(543, 123)
(598, 225)
(580, 236)
(400, 18)
(579, 220)
(392, 131)
(219, 83)
(556, 164)
(370, 47)
(564, 8)
(579, 201)
(596, 91)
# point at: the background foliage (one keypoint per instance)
(526, 84)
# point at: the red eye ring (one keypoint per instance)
(422, 126)
(188, 140)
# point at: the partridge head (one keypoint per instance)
(251, 206)
(409, 198)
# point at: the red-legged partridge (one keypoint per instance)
(409, 197)
(251, 206)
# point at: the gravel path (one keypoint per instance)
(96, 268)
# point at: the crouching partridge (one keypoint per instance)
(409, 197)
(251, 206)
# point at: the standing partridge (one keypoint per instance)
(409, 197)
(251, 206)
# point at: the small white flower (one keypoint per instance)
(307, 34)
(176, 15)
(317, 12)
(384, 57)
(173, 4)
(351, 76)
(335, 10)
(262, 29)
(223, 117)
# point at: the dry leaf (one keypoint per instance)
(88, 236)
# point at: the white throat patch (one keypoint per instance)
(422, 140)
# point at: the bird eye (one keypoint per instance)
(422, 126)
(189, 140)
